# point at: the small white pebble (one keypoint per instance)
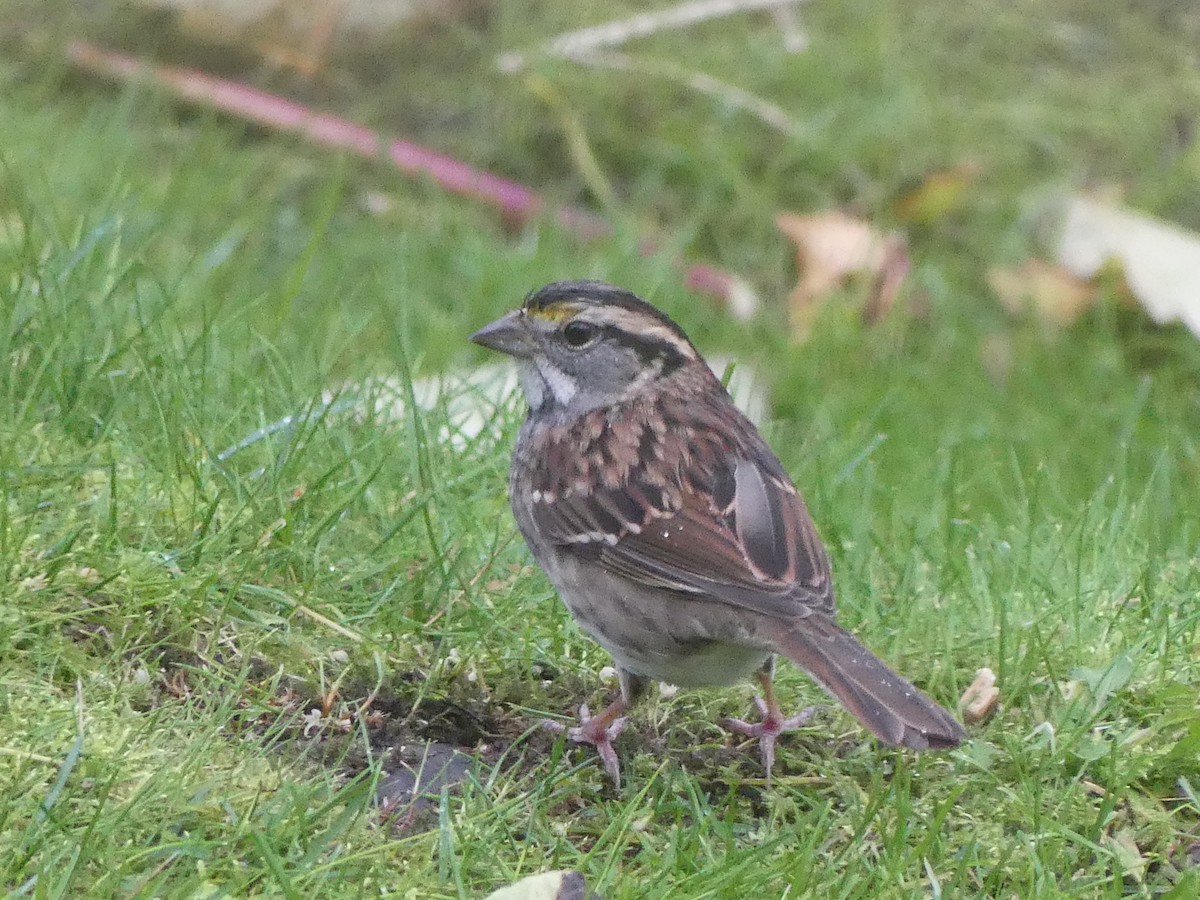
(141, 676)
(341, 657)
(608, 673)
(667, 691)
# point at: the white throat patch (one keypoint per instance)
(561, 384)
(538, 377)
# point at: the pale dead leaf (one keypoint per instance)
(1127, 853)
(473, 399)
(561, 885)
(1049, 291)
(1160, 261)
(831, 247)
(469, 405)
(980, 699)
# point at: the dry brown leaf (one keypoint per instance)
(980, 699)
(831, 247)
(1048, 290)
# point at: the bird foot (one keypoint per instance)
(766, 731)
(599, 731)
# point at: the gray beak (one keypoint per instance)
(508, 334)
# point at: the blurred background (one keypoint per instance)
(980, 178)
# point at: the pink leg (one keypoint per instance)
(773, 721)
(601, 730)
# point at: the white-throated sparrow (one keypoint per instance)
(668, 526)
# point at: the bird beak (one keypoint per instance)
(508, 334)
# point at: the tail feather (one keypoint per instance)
(890, 706)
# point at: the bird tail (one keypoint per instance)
(893, 709)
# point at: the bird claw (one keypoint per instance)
(766, 731)
(598, 731)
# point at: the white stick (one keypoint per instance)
(703, 83)
(613, 34)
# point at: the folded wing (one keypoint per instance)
(742, 535)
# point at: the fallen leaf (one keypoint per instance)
(561, 885)
(1126, 853)
(939, 194)
(980, 699)
(1051, 292)
(1160, 261)
(831, 247)
(473, 404)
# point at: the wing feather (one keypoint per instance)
(709, 513)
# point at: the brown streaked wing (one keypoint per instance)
(760, 551)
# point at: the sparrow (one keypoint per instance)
(670, 529)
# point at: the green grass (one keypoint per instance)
(171, 282)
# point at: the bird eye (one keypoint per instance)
(579, 335)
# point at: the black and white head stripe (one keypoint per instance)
(619, 314)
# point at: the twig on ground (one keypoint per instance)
(586, 41)
(703, 83)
